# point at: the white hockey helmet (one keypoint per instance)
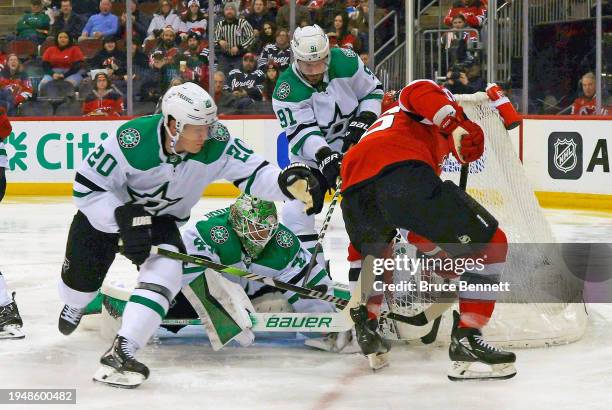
(187, 103)
(310, 45)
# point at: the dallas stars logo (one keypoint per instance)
(155, 202)
(284, 239)
(219, 234)
(129, 138)
(336, 128)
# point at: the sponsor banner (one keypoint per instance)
(568, 156)
(51, 151)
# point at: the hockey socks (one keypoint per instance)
(5, 298)
(475, 313)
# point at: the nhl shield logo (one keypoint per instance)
(565, 155)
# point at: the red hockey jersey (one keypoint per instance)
(109, 104)
(406, 132)
(18, 84)
(588, 106)
(474, 16)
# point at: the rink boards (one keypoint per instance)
(566, 158)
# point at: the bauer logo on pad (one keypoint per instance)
(565, 155)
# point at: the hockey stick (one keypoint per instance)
(319, 246)
(115, 299)
(433, 333)
(420, 319)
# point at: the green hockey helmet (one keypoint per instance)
(255, 222)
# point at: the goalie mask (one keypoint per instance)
(255, 222)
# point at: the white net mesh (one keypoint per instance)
(497, 181)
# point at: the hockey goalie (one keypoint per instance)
(391, 179)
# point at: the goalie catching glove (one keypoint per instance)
(298, 181)
(135, 232)
(356, 128)
(465, 138)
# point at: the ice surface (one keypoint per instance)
(273, 374)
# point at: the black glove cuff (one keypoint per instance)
(368, 117)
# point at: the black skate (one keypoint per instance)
(372, 345)
(10, 321)
(468, 347)
(119, 367)
(69, 319)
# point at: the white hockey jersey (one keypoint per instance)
(133, 168)
(316, 117)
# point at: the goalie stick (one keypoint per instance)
(319, 246)
(116, 297)
(420, 319)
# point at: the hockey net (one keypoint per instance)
(498, 182)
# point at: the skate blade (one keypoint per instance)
(320, 344)
(112, 377)
(378, 360)
(460, 371)
(12, 332)
(328, 346)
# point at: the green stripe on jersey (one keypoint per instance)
(2, 151)
(316, 279)
(151, 304)
(78, 194)
(194, 269)
(372, 96)
(297, 147)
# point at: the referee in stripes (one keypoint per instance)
(233, 37)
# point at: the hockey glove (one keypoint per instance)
(465, 138)
(135, 232)
(5, 124)
(329, 165)
(503, 105)
(298, 181)
(356, 128)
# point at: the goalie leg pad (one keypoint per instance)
(223, 307)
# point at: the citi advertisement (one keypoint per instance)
(568, 156)
(51, 151)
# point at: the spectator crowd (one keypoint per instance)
(71, 55)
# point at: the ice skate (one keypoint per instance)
(468, 349)
(119, 367)
(69, 319)
(10, 321)
(373, 346)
